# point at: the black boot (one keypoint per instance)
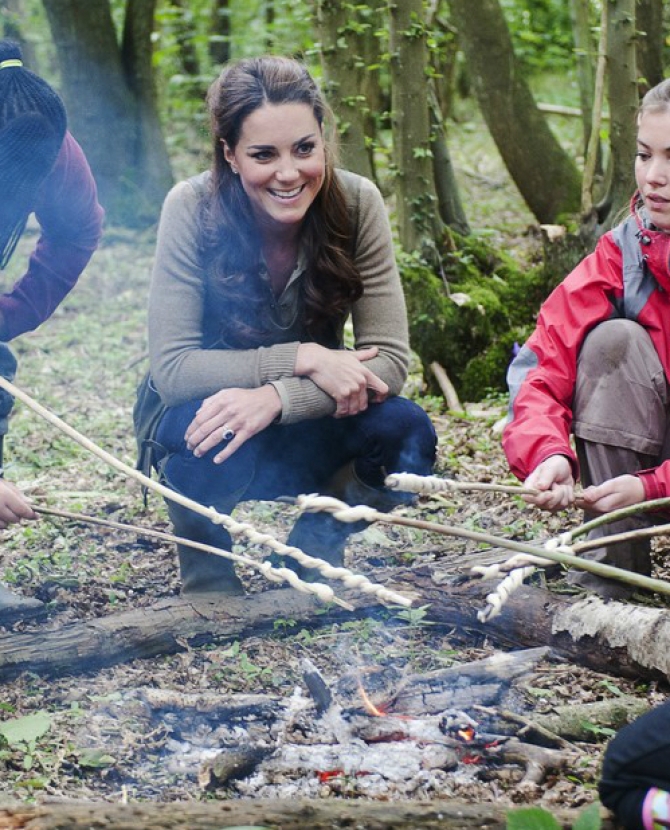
(322, 535)
(203, 572)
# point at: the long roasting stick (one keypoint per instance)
(324, 592)
(555, 550)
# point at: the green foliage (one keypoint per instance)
(469, 318)
(541, 33)
(535, 818)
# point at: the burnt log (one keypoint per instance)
(284, 814)
(614, 638)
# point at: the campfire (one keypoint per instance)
(368, 733)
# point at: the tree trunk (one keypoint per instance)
(344, 70)
(623, 99)
(111, 103)
(449, 201)
(185, 35)
(152, 164)
(618, 639)
(585, 48)
(544, 173)
(287, 814)
(219, 28)
(650, 42)
(418, 220)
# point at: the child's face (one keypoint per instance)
(652, 165)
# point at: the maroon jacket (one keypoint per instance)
(628, 275)
(70, 220)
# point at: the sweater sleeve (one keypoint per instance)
(379, 317)
(181, 368)
(542, 377)
(70, 219)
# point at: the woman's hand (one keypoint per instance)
(244, 412)
(553, 479)
(342, 375)
(14, 506)
(613, 494)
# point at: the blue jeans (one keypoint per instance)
(291, 459)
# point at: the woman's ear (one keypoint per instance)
(227, 152)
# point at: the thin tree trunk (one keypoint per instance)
(650, 42)
(344, 72)
(219, 32)
(449, 201)
(152, 163)
(416, 199)
(185, 35)
(623, 103)
(544, 173)
(580, 12)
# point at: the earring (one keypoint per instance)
(236, 172)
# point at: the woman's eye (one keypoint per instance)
(262, 155)
(306, 148)
(641, 155)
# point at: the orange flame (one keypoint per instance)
(368, 705)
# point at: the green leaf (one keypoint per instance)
(531, 818)
(26, 730)
(589, 819)
(95, 759)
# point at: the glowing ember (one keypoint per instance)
(466, 734)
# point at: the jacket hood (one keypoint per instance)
(654, 244)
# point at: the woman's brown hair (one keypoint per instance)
(332, 281)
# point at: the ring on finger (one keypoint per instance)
(227, 434)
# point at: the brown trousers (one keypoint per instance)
(621, 422)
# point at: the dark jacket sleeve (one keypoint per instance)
(70, 219)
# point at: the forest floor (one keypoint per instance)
(84, 365)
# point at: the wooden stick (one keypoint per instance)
(274, 574)
(324, 592)
(344, 512)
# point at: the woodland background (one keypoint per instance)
(557, 83)
(480, 123)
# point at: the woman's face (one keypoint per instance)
(652, 165)
(280, 158)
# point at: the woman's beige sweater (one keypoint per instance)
(183, 370)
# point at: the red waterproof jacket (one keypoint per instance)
(70, 220)
(627, 275)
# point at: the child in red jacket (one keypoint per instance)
(597, 366)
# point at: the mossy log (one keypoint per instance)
(468, 313)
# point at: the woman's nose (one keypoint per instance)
(658, 170)
(287, 169)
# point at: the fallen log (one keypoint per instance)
(614, 638)
(285, 814)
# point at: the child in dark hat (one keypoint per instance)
(43, 171)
